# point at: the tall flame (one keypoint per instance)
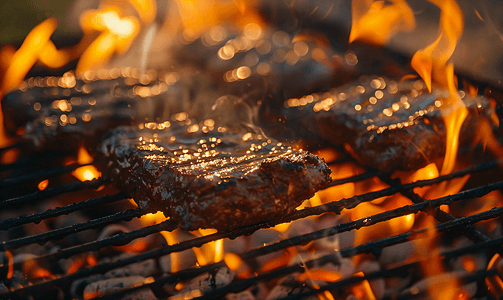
(432, 62)
(375, 22)
(27, 55)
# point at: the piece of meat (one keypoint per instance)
(386, 124)
(207, 176)
(64, 112)
(264, 64)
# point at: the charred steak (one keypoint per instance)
(208, 176)
(386, 124)
(64, 112)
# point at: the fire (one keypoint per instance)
(197, 16)
(116, 36)
(431, 62)
(85, 173)
(42, 185)
(172, 238)
(210, 252)
(376, 22)
(27, 55)
(363, 289)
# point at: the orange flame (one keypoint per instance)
(116, 35)
(213, 251)
(363, 290)
(434, 266)
(27, 55)
(42, 185)
(432, 62)
(172, 238)
(197, 16)
(375, 22)
(85, 173)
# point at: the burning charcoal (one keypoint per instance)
(237, 245)
(338, 241)
(207, 282)
(78, 286)
(144, 268)
(257, 62)
(108, 286)
(62, 112)
(184, 260)
(246, 295)
(191, 171)
(398, 253)
(143, 294)
(300, 227)
(286, 287)
(442, 282)
(386, 124)
(265, 237)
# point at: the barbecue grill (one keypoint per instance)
(61, 236)
(19, 189)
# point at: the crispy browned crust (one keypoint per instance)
(211, 180)
(389, 125)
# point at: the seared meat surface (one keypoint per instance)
(265, 64)
(65, 112)
(208, 176)
(386, 124)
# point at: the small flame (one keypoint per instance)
(375, 22)
(42, 185)
(172, 238)
(235, 263)
(363, 290)
(10, 263)
(85, 173)
(210, 252)
(494, 283)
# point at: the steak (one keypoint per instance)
(386, 124)
(65, 112)
(206, 176)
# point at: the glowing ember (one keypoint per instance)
(376, 22)
(42, 185)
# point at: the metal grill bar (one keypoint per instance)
(441, 216)
(37, 217)
(9, 182)
(51, 192)
(63, 232)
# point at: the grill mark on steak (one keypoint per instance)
(217, 177)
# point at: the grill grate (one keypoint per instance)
(447, 223)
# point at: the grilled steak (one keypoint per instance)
(386, 124)
(263, 64)
(203, 175)
(64, 112)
